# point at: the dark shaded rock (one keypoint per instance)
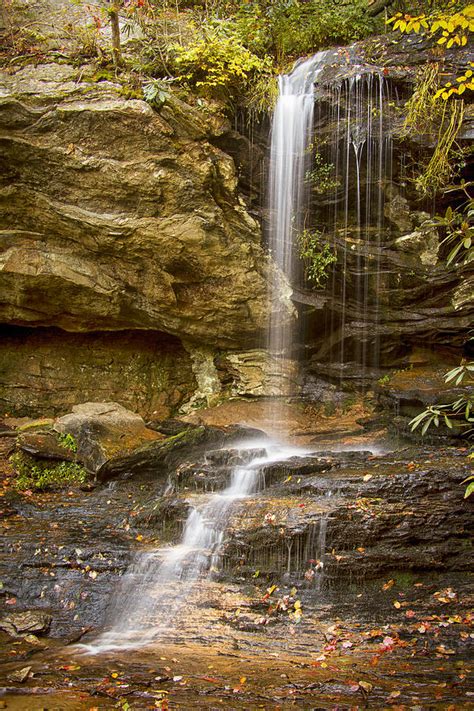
(44, 445)
(401, 511)
(408, 392)
(159, 458)
(170, 427)
(46, 371)
(18, 624)
(102, 431)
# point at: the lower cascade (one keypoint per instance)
(160, 582)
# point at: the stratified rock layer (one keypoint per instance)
(45, 371)
(115, 216)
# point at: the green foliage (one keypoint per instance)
(218, 62)
(43, 476)
(67, 440)
(470, 484)
(317, 255)
(293, 28)
(233, 50)
(459, 227)
(460, 412)
(321, 176)
(155, 93)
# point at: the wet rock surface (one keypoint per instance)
(176, 450)
(25, 623)
(390, 530)
(102, 431)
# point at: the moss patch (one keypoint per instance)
(41, 475)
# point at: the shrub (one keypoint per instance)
(218, 62)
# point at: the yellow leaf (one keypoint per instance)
(243, 679)
(462, 89)
(442, 40)
(297, 605)
(469, 73)
(396, 604)
(114, 675)
(445, 95)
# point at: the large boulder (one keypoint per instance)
(103, 430)
(115, 216)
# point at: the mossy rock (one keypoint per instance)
(44, 475)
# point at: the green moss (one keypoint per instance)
(130, 92)
(43, 475)
(405, 580)
(36, 424)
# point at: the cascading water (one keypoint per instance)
(359, 151)
(160, 582)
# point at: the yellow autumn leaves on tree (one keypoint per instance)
(451, 30)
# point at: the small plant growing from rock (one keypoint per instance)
(45, 476)
(67, 440)
(317, 256)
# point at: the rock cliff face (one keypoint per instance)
(118, 217)
(390, 290)
(46, 371)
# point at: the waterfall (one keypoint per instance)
(160, 582)
(292, 127)
(359, 151)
